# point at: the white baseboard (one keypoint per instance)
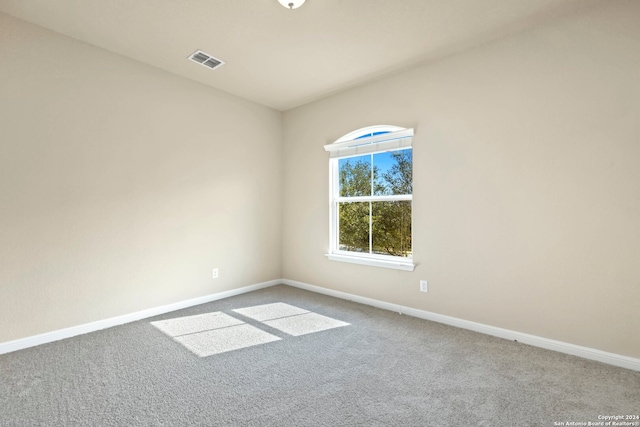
(559, 346)
(19, 344)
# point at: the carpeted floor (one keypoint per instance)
(312, 360)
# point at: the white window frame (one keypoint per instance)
(352, 145)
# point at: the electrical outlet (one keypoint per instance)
(215, 273)
(424, 286)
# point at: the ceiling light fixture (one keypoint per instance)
(291, 4)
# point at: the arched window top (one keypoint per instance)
(371, 139)
(368, 131)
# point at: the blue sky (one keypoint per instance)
(383, 161)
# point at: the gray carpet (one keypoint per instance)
(345, 364)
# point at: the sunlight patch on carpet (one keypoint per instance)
(290, 319)
(198, 323)
(214, 333)
(270, 311)
(303, 324)
(226, 339)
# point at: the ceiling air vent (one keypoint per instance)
(205, 59)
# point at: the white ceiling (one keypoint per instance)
(283, 58)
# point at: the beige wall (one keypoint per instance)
(526, 180)
(122, 186)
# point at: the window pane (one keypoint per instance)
(393, 172)
(391, 227)
(367, 135)
(354, 227)
(355, 176)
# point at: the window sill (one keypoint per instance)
(373, 262)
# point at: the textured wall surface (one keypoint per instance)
(526, 182)
(122, 186)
